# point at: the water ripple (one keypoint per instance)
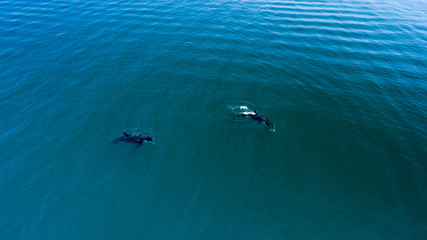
(343, 81)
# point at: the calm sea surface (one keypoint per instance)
(344, 82)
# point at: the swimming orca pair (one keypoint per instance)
(134, 138)
(139, 138)
(259, 118)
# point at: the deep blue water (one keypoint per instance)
(344, 82)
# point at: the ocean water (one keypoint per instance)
(343, 81)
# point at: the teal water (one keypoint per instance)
(344, 82)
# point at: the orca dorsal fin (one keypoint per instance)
(125, 134)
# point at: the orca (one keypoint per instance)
(258, 117)
(134, 138)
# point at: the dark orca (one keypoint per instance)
(259, 118)
(134, 138)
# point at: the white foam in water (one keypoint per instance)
(246, 110)
(241, 109)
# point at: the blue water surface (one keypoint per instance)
(344, 83)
